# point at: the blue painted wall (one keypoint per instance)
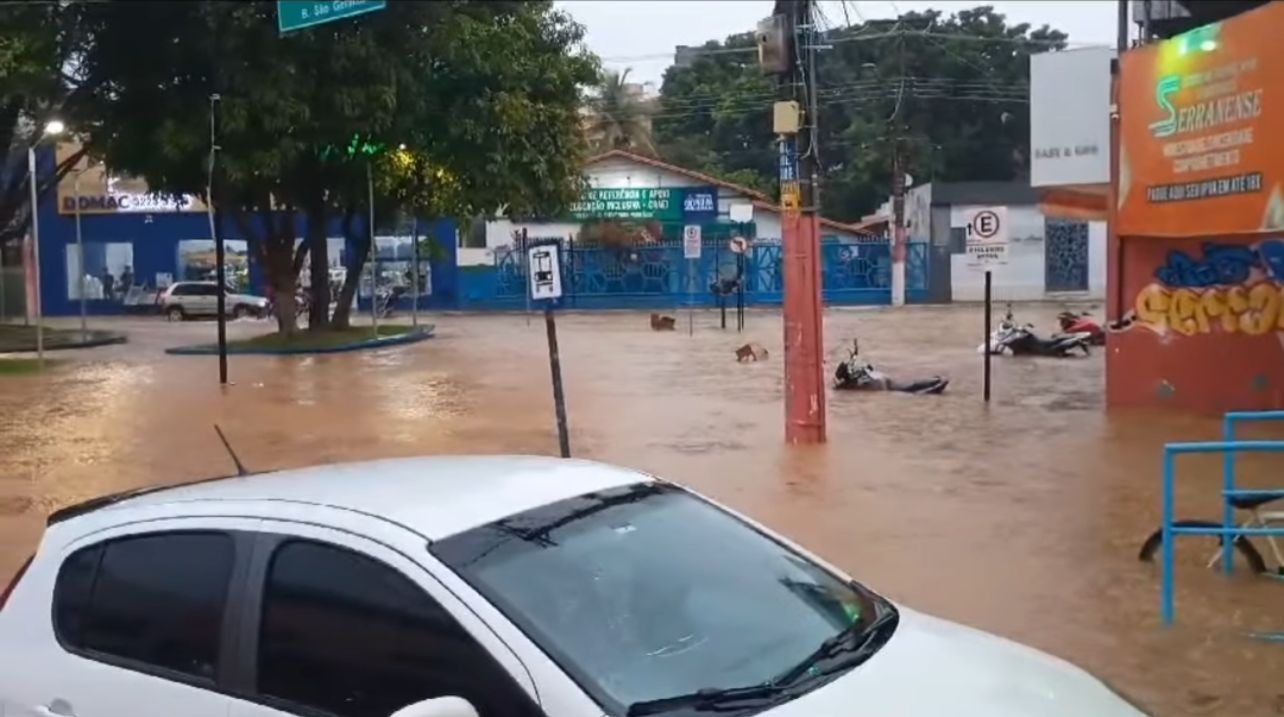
(155, 238)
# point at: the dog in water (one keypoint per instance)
(751, 351)
(662, 323)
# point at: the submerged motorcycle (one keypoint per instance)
(853, 375)
(1014, 340)
(1073, 323)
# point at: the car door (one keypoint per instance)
(348, 627)
(133, 624)
(206, 299)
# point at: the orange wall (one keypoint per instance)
(1207, 324)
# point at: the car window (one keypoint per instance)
(181, 290)
(346, 635)
(155, 601)
(205, 290)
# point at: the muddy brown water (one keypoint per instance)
(1022, 517)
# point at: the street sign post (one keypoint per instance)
(544, 272)
(691, 240)
(297, 14)
(986, 240)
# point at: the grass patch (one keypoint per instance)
(312, 340)
(23, 366)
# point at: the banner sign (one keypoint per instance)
(672, 204)
(1070, 139)
(1200, 123)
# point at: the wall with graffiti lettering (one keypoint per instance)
(1206, 324)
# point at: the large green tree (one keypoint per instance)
(40, 44)
(485, 93)
(952, 90)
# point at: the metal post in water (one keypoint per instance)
(1228, 484)
(414, 282)
(374, 253)
(986, 341)
(559, 400)
(525, 263)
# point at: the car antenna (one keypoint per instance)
(240, 467)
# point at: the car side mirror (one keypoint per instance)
(438, 707)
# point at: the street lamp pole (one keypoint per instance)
(80, 264)
(35, 251)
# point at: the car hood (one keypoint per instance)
(932, 667)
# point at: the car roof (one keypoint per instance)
(435, 496)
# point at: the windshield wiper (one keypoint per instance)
(875, 635)
(705, 699)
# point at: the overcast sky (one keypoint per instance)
(641, 34)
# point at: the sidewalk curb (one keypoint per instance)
(97, 338)
(410, 337)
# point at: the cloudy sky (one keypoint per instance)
(641, 34)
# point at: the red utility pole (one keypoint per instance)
(800, 227)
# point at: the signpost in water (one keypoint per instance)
(544, 269)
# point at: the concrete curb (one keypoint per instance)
(96, 339)
(410, 337)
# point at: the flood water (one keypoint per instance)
(1022, 517)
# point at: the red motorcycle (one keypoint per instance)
(1073, 322)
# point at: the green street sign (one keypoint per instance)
(629, 203)
(298, 14)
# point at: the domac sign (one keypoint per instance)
(124, 202)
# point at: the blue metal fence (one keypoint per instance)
(1229, 530)
(657, 276)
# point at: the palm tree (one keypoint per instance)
(618, 117)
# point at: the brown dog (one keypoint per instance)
(662, 323)
(751, 351)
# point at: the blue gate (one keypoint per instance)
(658, 276)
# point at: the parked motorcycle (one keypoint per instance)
(1021, 340)
(1074, 323)
(853, 375)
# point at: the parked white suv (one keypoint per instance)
(186, 299)
(465, 587)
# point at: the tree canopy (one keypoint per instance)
(618, 118)
(457, 108)
(953, 87)
(40, 44)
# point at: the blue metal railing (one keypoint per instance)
(1229, 531)
(1228, 474)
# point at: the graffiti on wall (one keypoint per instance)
(1228, 288)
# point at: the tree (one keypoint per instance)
(485, 93)
(39, 46)
(953, 89)
(618, 117)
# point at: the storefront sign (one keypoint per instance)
(673, 204)
(1200, 119)
(125, 202)
(1070, 117)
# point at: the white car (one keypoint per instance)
(187, 299)
(465, 587)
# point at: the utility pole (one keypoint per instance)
(787, 48)
(898, 186)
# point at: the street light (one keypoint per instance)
(52, 129)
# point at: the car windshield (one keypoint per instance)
(648, 592)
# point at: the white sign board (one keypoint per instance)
(691, 241)
(742, 213)
(1070, 117)
(544, 266)
(986, 236)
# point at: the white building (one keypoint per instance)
(621, 169)
(1047, 255)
